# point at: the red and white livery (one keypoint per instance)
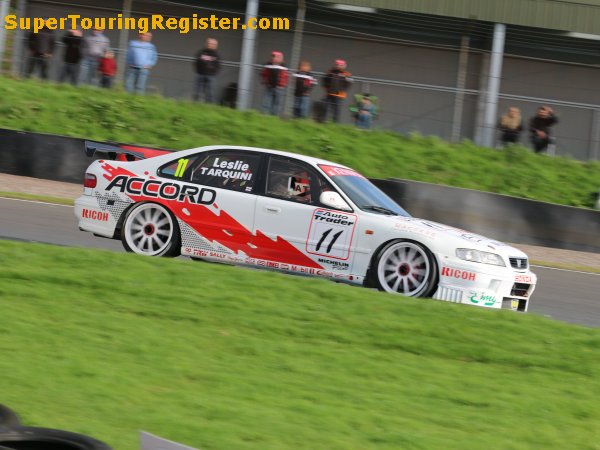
(291, 213)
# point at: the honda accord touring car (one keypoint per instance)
(292, 213)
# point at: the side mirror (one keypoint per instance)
(334, 200)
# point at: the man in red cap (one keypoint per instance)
(337, 82)
(275, 79)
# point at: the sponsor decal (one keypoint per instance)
(238, 170)
(336, 265)
(414, 228)
(458, 274)
(334, 171)
(165, 190)
(94, 215)
(330, 234)
(480, 298)
(523, 279)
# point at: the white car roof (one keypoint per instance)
(308, 159)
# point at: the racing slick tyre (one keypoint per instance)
(8, 417)
(33, 438)
(407, 268)
(150, 229)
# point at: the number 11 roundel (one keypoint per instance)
(331, 233)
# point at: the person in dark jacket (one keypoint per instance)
(305, 81)
(208, 64)
(539, 127)
(274, 77)
(337, 82)
(72, 41)
(41, 48)
(511, 125)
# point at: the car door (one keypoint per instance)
(221, 230)
(295, 231)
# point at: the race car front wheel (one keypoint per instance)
(407, 268)
(150, 229)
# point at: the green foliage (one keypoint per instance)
(151, 120)
(222, 357)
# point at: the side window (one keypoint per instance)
(179, 169)
(289, 180)
(235, 171)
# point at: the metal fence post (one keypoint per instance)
(247, 60)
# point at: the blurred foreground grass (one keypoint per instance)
(110, 115)
(220, 357)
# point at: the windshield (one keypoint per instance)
(362, 192)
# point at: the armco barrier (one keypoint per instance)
(501, 217)
(505, 218)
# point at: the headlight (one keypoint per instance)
(480, 257)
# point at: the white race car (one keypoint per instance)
(292, 213)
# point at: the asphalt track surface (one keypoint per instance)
(564, 295)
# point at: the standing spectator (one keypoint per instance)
(141, 57)
(41, 47)
(366, 110)
(275, 79)
(108, 69)
(337, 82)
(539, 126)
(511, 125)
(305, 81)
(72, 56)
(94, 47)
(208, 64)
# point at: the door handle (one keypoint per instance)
(273, 209)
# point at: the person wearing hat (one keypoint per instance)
(94, 47)
(337, 82)
(274, 77)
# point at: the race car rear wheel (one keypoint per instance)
(150, 229)
(407, 268)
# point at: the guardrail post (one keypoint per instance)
(495, 75)
(288, 105)
(123, 38)
(459, 100)
(18, 43)
(247, 60)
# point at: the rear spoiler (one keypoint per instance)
(121, 152)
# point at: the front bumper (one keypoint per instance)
(484, 285)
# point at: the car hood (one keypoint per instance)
(456, 236)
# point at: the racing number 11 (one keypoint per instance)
(333, 239)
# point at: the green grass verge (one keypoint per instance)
(110, 115)
(38, 198)
(223, 357)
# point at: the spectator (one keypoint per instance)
(72, 41)
(41, 47)
(304, 84)
(539, 126)
(337, 82)
(108, 69)
(366, 110)
(511, 125)
(275, 79)
(208, 64)
(94, 47)
(141, 57)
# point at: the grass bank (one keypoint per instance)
(221, 357)
(109, 115)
